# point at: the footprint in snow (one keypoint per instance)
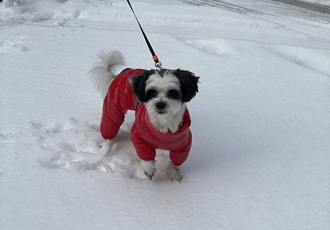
(64, 34)
(78, 146)
(11, 45)
(214, 46)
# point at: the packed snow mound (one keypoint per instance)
(37, 10)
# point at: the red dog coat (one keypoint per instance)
(145, 137)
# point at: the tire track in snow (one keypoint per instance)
(222, 4)
(289, 15)
(204, 29)
(241, 9)
(307, 5)
(270, 27)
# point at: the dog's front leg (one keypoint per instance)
(172, 172)
(148, 168)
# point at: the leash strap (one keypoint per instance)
(158, 64)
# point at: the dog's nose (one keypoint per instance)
(160, 105)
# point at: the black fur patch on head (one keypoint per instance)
(188, 84)
(174, 94)
(151, 93)
(138, 84)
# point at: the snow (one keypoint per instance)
(321, 2)
(260, 122)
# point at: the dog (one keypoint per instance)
(158, 98)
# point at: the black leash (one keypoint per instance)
(158, 64)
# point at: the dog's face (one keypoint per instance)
(163, 94)
(165, 91)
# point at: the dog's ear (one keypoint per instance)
(188, 84)
(138, 85)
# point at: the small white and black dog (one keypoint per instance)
(158, 98)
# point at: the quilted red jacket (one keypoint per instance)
(145, 137)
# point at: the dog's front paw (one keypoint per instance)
(148, 168)
(172, 172)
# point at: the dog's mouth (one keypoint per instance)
(161, 112)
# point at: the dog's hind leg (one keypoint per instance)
(112, 119)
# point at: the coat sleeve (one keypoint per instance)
(143, 149)
(179, 156)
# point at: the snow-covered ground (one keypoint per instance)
(321, 2)
(261, 121)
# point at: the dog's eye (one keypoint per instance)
(151, 93)
(175, 94)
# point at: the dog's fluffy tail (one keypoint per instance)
(104, 72)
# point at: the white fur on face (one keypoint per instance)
(171, 116)
(168, 81)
